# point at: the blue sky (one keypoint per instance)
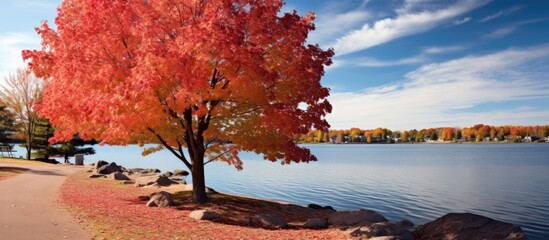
(399, 64)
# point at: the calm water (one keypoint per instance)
(419, 182)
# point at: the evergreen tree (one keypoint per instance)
(42, 133)
(7, 124)
(73, 147)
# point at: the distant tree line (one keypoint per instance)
(477, 133)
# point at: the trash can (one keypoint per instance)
(79, 159)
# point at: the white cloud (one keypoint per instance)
(406, 23)
(421, 58)
(501, 13)
(332, 23)
(462, 21)
(443, 94)
(11, 45)
(504, 31)
(372, 62)
(441, 50)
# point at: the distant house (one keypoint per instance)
(547, 139)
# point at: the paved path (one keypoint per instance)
(29, 208)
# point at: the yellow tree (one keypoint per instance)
(19, 95)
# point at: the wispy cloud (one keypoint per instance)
(445, 94)
(406, 23)
(462, 21)
(501, 13)
(504, 31)
(423, 57)
(11, 45)
(332, 23)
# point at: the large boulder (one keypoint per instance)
(160, 199)
(355, 218)
(468, 226)
(316, 223)
(268, 221)
(159, 180)
(109, 168)
(204, 215)
(180, 172)
(118, 176)
(99, 164)
(380, 229)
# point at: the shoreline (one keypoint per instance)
(235, 213)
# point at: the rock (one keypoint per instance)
(154, 179)
(128, 182)
(316, 223)
(314, 206)
(97, 176)
(268, 221)
(89, 170)
(168, 174)
(204, 215)
(109, 168)
(180, 172)
(99, 164)
(406, 224)
(468, 226)
(380, 229)
(178, 180)
(355, 218)
(329, 208)
(118, 176)
(160, 199)
(318, 207)
(143, 198)
(144, 171)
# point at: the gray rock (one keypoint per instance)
(97, 176)
(180, 172)
(99, 164)
(160, 199)
(204, 215)
(316, 223)
(109, 168)
(118, 176)
(144, 171)
(153, 179)
(168, 174)
(355, 218)
(381, 229)
(468, 226)
(268, 221)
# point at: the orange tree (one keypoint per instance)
(190, 76)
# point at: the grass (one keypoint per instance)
(111, 210)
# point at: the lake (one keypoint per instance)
(419, 182)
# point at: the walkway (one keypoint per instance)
(29, 208)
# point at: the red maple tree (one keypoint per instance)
(188, 75)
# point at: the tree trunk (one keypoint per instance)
(199, 182)
(29, 150)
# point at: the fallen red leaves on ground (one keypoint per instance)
(111, 210)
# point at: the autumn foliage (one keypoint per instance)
(476, 133)
(188, 75)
